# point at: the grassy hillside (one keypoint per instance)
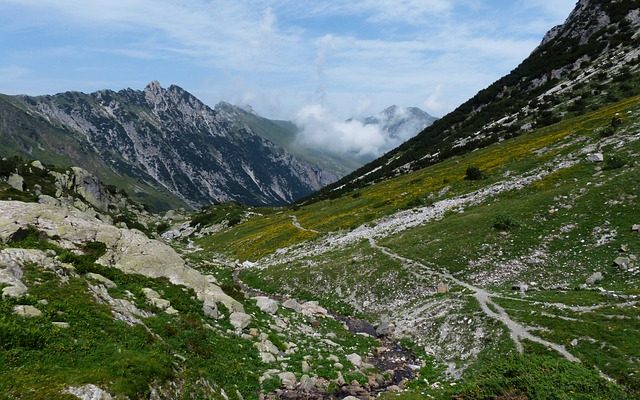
(528, 235)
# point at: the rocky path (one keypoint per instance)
(517, 331)
(294, 221)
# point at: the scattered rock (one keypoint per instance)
(37, 164)
(595, 278)
(105, 281)
(155, 300)
(16, 181)
(307, 384)
(385, 328)
(266, 304)
(26, 311)
(88, 392)
(292, 304)
(635, 228)
(522, 287)
(288, 380)
(305, 367)
(624, 248)
(442, 288)
(61, 325)
(239, 320)
(313, 308)
(355, 359)
(595, 157)
(624, 263)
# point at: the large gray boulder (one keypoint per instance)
(128, 250)
(16, 181)
(88, 392)
(26, 311)
(266, 304)
(239, 320)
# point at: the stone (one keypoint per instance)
(355, 359)
(595, 278)
(292, 304)
(61, 325)
(88, 392)
(305, 367)
(635, 228)
(624, 248)
(312, 308)
(595, 157)
(288, 380)
(128, 250)
(266, 304)
(522, 287)
(307, 384)
(623, 263)
(37, 164)
(26, 311)
(267, 347)
(385, 328)
(99, 278)
(351, 398)
(210, 310)
(442, 288)
(16, 181)
(239, 320)
(171, 311)
(340, 381)
(267, 358)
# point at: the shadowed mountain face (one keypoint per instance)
(588, 61)
(174, 147)
(401, 123)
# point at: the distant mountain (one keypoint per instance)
(401, 123)
(163, 145)
(285, 135)
(590, 60)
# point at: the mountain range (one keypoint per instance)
(165, 145)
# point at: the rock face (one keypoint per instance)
(167, 140)
(88, 392)
(127, 250)
(11, 263)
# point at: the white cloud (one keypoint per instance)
(321, 128)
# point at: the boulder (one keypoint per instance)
(522, 287)
(359, 326)
(37, 164)
(355, 359)
(239, 320)
(594, 278)
(16, 181)
(595, 157)
(442, 288)
(88, 392)
(307, 384)
(292, 304)
(385, 328)
(288, 380)
(99, 278)
(635, 228)
(624, 263)
(128, 250)
(312, 308)
(61, 325)
(266, 304)
(26, 311)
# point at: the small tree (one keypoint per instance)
(473, 174)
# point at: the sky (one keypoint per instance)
(288, 59)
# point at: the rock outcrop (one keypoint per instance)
(128, 250)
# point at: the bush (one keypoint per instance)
(614, 162)
(504, 223)
(474, 174)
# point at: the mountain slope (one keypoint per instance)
(285, 134)
(590, 60)
(401, 123)
(165, 139)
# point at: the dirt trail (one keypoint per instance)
(517, 331)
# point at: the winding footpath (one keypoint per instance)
(517, 331)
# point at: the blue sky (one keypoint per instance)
(348, 58)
